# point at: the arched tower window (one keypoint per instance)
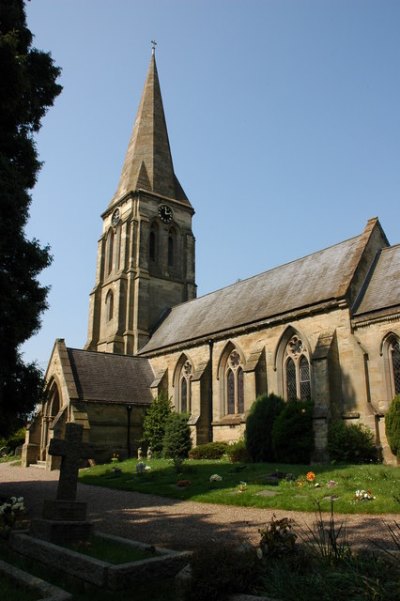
(109, 305)
(297, 376)
(183, 384)
(171, 247)
(109, 251)
(153, 242)
(234, 384)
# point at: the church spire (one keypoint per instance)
(148, 161)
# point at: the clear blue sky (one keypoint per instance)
(284, 124)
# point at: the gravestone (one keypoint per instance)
(64, 519)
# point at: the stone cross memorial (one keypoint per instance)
(64, 519)
(72, 450)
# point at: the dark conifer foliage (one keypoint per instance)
(28, 87)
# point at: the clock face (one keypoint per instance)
(115, 217)
(165, 214)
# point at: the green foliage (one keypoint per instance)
(14, 440)
(259, 426)
(28, 89)
(220, 570)
(237, 452)
(210, 450)
(353, 443)
(277, 538)
(392, 425)
(155, 421)
(292, 433)
(177, 441)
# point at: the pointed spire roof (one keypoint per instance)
(148, 161)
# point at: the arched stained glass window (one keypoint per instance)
(184, 399)
(291, 380)
(234, 384)
(184, 385)
(297, 375)
(395, 357)
(305, 384)
(231, 391)
(240, 385)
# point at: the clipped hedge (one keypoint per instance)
(259, 424)
(353, 443)
(392, 425)
(210, 450)
(237, 452)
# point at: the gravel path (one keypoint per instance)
(171, 523)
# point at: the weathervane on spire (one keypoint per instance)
(153, 46)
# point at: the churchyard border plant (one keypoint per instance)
(274, 486)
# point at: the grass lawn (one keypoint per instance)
(110, 551)
(248, 485)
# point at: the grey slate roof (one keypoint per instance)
(314, 279)
(383, 289)
(111, 378)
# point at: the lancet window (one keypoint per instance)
(234, 384)
(297, 374)
(394, 361)
(185, 388)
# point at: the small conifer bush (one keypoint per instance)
(177, 440)
(155, 421)
(392, 425)
(353, 443)
(259, 426)
(292, 433)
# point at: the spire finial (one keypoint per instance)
(153, 47)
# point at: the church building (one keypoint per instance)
(325, 327)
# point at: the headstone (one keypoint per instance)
(140, 453)
(64, 519)
(149, 454)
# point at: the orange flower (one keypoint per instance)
(310, 476)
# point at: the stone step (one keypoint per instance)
(39, 464)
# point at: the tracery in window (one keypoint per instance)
(234, 385)
(184, 387)
(297, 370)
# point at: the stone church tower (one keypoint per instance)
(145, 259)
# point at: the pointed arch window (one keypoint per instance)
(109, 305)
(393, 355)
(109, 251)
(234, 384)
(171, 247)
(296, 371)
(153, 241)
(185, 387)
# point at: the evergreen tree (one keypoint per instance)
(28, 88)
(177, 440)
(259, 424)
(155, 421)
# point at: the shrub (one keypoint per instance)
(392, 425)
(292, 433)
(177, 441)
(237, 452)
(210, 450)
(155, 421)
(219, 570)
(259, 426)
(353, 443)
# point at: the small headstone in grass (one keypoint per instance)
(267, 493)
